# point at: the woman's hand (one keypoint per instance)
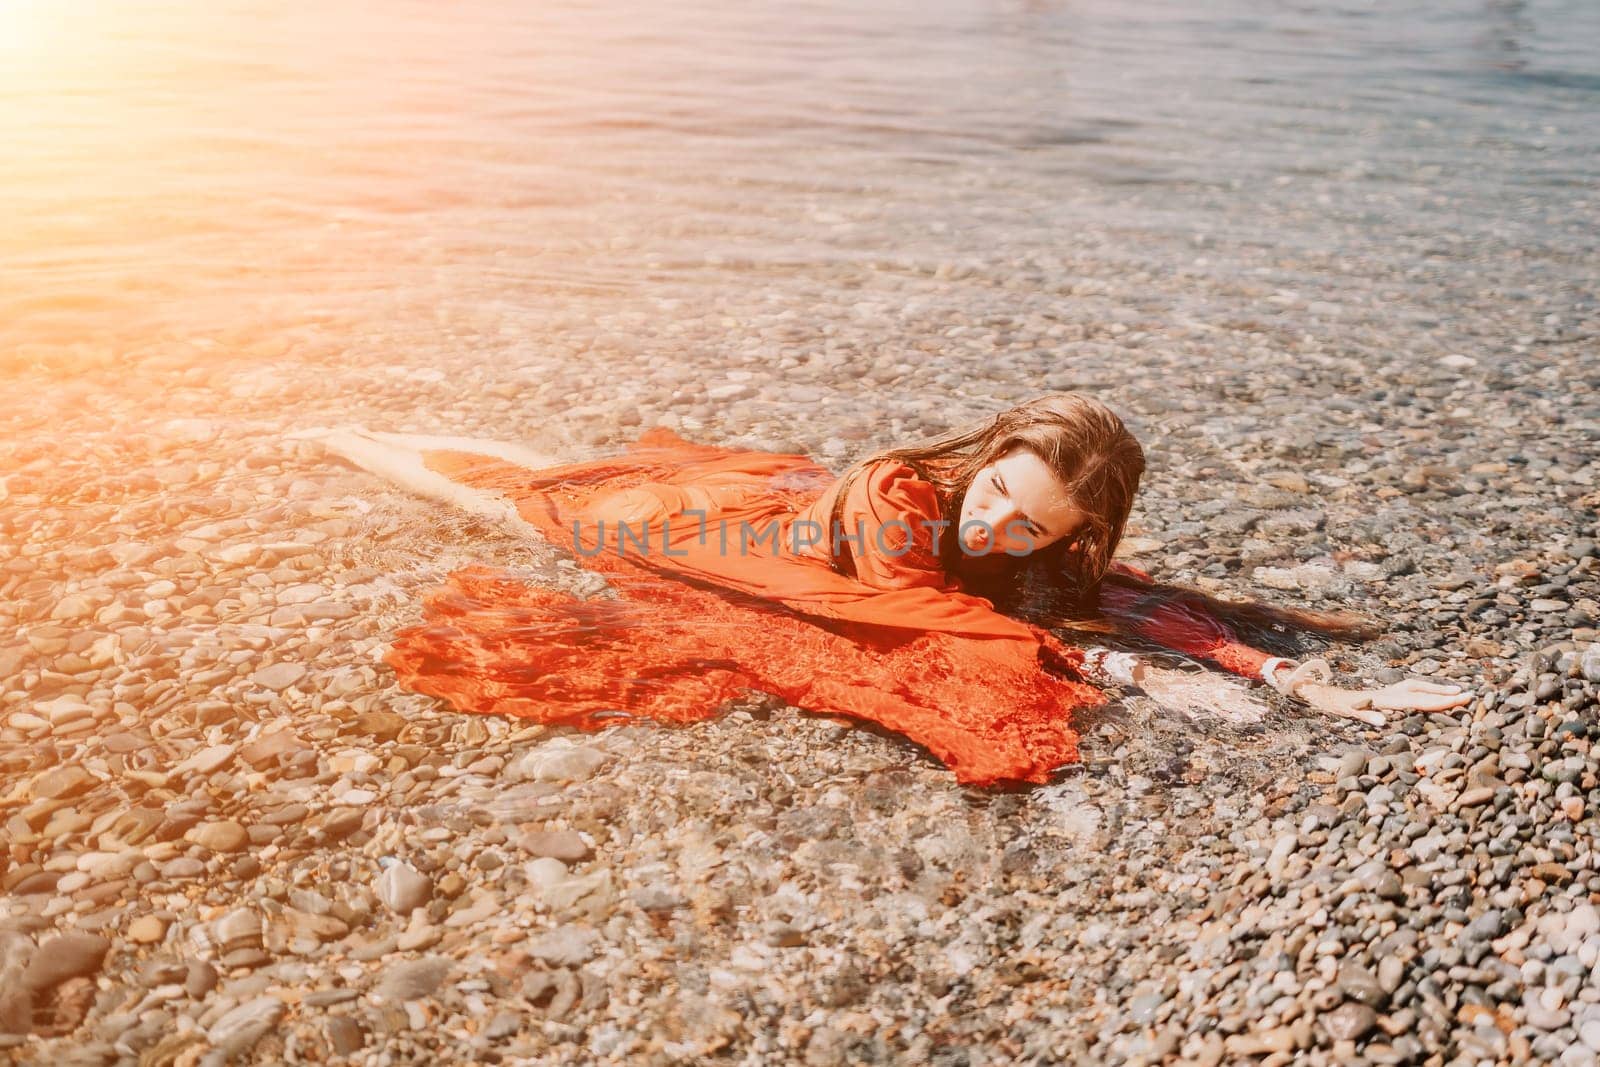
(1369, 705)
(1309, 682)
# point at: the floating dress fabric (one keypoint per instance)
(723, 587)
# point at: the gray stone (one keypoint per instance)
(415, 979)
(67, 956)
(62, 783)
(557, 762)
(344, 1035)
(1359, 984)
(16, 999)
(279, 676)
(565, 946)
(1589, 663)
(238, 1030)
(1349, 1021)
(401, 888)
(221, 836)
(568, 846)
(208, 760)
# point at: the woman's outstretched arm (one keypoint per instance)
(1155, 614)
(1200, 695)
(1186, 624)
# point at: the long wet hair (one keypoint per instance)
(1100, 463)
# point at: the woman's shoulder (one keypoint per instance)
(898, 485)
(895, 518)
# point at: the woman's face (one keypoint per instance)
(1016, 505)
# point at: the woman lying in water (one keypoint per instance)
(918, 590)
(1038, 499)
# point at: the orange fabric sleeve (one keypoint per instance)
(1183, 627)
(891, 516)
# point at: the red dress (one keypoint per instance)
(723, 587)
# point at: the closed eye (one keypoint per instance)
(1033, 527)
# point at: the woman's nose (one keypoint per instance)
(994, 528)
(998, 524)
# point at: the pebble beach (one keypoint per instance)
(1365, 366)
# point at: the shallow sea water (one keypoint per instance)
(470, 184)
(1258, 229)
(1334, 261)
